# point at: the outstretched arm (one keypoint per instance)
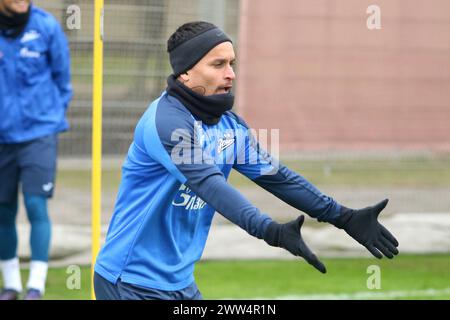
(362, 225)
(292, 188)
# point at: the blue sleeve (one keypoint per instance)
(60, 63)
(287, 185)
(298, 192)
(170, 139)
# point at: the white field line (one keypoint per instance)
(362, 295)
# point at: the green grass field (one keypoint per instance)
(405, 277)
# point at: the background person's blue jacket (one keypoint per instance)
(35, 87)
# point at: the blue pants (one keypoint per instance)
(105, 290)
(32, 165)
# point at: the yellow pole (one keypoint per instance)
(97, 135)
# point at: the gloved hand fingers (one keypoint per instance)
(388, 245)
(316, 263)
(374, 251)
(388, 235)
(379, 207)
(299, 221)
(309, 256)
(380, 246)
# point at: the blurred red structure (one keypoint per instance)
(313, 69)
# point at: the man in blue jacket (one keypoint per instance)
(35, 91)
(174, 179)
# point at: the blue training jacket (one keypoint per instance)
(174, 179)
(35, 87)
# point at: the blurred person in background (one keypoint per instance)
(168, 196)
(35, 91)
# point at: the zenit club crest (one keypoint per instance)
(227, 140)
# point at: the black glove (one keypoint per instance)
(363, 226)
(288, 236)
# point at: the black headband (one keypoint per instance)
(187, 54)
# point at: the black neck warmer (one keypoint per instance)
(12, 26)
(209, 109)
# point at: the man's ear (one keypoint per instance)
(184, 77)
